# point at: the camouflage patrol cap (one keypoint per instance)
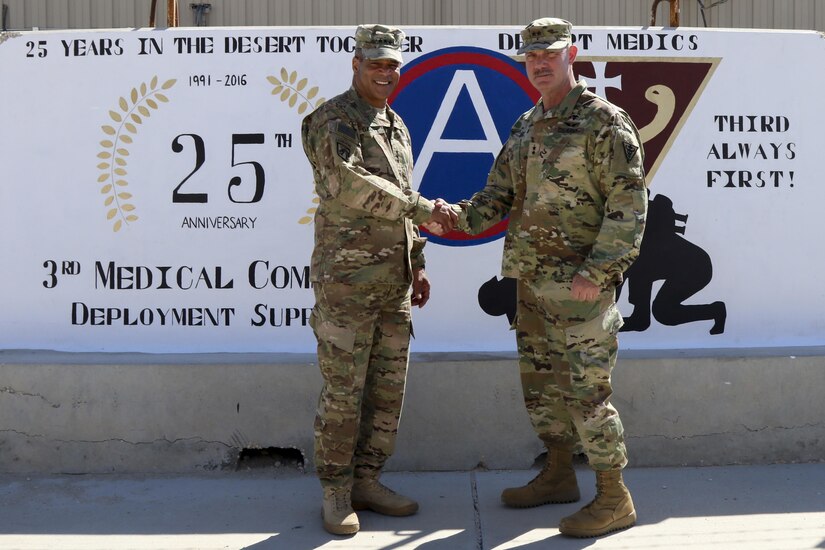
(547, 33)
(379, 42)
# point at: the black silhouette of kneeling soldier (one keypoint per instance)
(683, 266)
(664, 256)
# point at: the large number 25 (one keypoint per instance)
(200, 158)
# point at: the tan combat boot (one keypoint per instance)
(611, 510)
(370, 494)
(556, 483)
(339, 519)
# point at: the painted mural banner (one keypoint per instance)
(154, 196)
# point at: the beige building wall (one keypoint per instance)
(83, 14)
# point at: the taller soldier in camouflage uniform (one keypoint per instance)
(368, 252)
(571, 179)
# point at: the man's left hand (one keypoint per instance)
(583, 290)
(420, 287)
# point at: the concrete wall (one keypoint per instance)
(81, 413)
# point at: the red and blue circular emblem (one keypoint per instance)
(459, 105)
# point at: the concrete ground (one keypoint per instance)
(778, 507)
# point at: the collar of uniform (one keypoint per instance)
(565, 108)
(367, 112)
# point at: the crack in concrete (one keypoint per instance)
(476, 512)
(728, 433)
(121, 440)
(11, 391)
(800, 427)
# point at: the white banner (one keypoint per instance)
(155, 196)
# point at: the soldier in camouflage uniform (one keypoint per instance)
(367, 255)
(571, 179)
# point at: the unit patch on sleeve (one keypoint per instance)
(345, 139)
(343, 150)
(629, 150)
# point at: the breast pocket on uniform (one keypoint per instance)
(539, 171)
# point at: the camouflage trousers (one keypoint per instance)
(567, 350)
(363, 333)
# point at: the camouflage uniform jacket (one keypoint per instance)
(572, 181)
(366, 223)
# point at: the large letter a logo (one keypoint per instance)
(436, 142)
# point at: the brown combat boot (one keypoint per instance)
(611, 510)
(339, 518)
(555, 484)
(372, 495)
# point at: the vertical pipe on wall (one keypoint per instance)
(674, 12)
(172, 15)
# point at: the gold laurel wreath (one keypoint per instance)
(290, 91)
(113, 163)
(290, 88)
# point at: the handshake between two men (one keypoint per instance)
(443, 219)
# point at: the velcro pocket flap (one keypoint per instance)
(340, 337)
(596, 329)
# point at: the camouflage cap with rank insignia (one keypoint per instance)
(547, 33)
(379, 42)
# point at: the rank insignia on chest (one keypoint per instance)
(569, 127)
(629, 150)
